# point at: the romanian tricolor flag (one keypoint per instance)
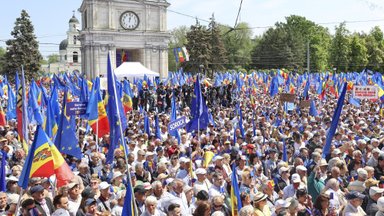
(235, 192)
(127, 97)
(3, 122)
(291, 88)
(44, 160)
(350, 86)
(181, 54)
(97, 116)
(127, 102)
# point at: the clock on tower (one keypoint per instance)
(129, 20)
(131, 30)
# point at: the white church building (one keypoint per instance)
(69, 50)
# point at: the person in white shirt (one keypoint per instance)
(218, 187)
(202, 182)
(177, 196)
(337, 200)
(359, 184)
(118, 209)
(353, 208)
(184, 141)
(159, 192)
(290, 190)
(61, 204)
(150, 207)
(74, 198)
(132, 148)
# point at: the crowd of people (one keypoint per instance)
(276, 156)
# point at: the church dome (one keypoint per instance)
(63, 45)
(73, 19)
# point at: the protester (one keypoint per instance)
(353, 207)
(61, 204)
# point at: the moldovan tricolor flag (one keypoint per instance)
(127, 97)
(44, 160)
(97, 116)
(181, 54)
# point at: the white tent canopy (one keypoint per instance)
(133, 70)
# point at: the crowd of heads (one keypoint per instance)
(276, 155)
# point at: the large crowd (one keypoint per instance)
(276, 156)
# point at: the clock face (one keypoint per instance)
(129, 20)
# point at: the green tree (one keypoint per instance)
(238, 44)
(340, 49)
(359, 55)
(218, 55)
(2, 61)
(23, 49)
(273, 51)
(178, 39)
(53, 58)
(319, 45)
(374, 44)
(298, 30)
(199, 48)
(285, 45)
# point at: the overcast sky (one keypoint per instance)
(50, 18)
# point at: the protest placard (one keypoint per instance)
(176, 124)
(365, 92)
(286, 97)
(76, 108)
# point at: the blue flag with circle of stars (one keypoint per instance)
(199, 110)
(66, 140)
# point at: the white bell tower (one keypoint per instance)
(134, 30)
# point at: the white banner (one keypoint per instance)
(365, 92)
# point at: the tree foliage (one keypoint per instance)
(375, 48)
(341, 48)
(359, 54)
(319, 44)
(273, 50)
(53, 58)
(23, 49)
(199, 47)
(238, 44)
(2, 60)
(285, 45)
(218, 53)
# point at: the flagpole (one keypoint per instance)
(122, 134)
(54, 186)
(97, 135)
